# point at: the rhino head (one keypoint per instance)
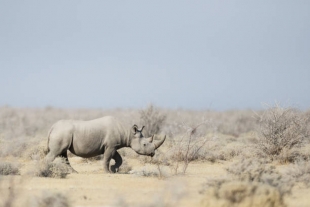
(142, 145)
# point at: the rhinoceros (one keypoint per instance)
(96, 137)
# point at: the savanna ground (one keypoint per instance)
(231, 158)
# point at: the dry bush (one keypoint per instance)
(56, 169)
(281, 129)
(294, 154)
(7, 168)
(187, 149)
(36, 151)
(195, 146)
(152, 119)
(300, 172)
(242, 194)
(48, 199)
(145, 172)
(219, 150)
(252, 170)
(13, 147)
(252, 183)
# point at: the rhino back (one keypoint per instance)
(92, 137)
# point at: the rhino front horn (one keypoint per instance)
(159, 142)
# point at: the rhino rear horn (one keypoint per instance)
(158, 143)
(151, 139)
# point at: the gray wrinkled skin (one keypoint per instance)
(95, 137)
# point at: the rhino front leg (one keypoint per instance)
(107, 156)
(118, 162)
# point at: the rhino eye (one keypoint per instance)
(144, 144)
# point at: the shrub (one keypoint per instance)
(218, 150)
(242, 194)
(48, 199)
(281, 129)
(7, 168)
(145, 172)
(36, 151)
(187, 148)
(252, 170)
(56, 169)
(252, 183)
(152, 119)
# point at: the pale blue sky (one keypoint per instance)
(176, 54)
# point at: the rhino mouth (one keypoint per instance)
(152, 154)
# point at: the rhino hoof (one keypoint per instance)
(113, 169)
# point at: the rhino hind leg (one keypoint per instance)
(65, 156)
(50, 157)
(118, 162)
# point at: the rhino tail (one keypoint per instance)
(47, 150)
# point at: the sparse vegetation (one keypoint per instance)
(56, 169)
(281, 130)
(253, 170)
(242, 194)
(187, 148)
(7, 168)
(300, 172)
(146, 172)
(252, 183)
(267, 154)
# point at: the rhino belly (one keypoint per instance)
(86, 154)
(87, 149)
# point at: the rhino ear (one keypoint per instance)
(141, 128)
(134, 129)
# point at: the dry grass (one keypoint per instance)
(250, 183)
(259, 171)
(300, 172)
(242, 194)
(56, 169)
(7, 168)
(281, 136)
